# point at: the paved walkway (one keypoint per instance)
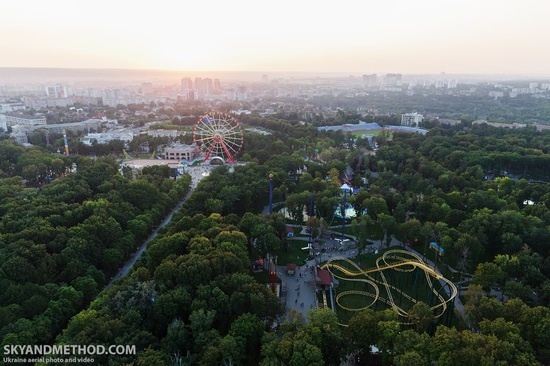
(301, 285)
(300, 288)
(197, 173)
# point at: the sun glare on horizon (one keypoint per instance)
(353, 36)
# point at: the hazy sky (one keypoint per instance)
(367, 36)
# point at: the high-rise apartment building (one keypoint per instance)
(393, 79)
(187, 89)
(57, 91)
(186, 84)
(369, 80)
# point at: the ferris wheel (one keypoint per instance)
(218, 134)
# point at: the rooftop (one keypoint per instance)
(26, 116)
(324, 277)
(362, 126)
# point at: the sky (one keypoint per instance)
(368, 36)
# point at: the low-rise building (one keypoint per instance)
(165, 133)
(176, 169)
(104, 138)
(11, 107)
(13, 119)
(20, 137)
(500, 125)
(348, 127)
(450, 122)
(181, 152)
(83, 126)
(541, 127)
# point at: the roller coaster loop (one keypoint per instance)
(394, 259)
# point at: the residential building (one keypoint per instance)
(11, 107)
(3, 125)
(393, 79)
(411, 119)
(187, 89)
(369, 80)
(57, 91)
(186, 84)
(20, 137)
(13, 119)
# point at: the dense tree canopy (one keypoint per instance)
(61, 243)
(481, 193)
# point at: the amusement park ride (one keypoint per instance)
(374, 284)
(218, 135)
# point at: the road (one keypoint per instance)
(197, 173)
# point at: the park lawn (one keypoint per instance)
(374, 231)
(294, 253)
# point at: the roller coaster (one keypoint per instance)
(399, 260)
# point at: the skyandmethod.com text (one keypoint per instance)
(62, 352)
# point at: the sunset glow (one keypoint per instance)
(352, 36)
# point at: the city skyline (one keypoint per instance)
(468, 37)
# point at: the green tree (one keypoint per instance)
(421, 316)
(388, 225)
(488, 274)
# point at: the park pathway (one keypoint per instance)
(197, 173)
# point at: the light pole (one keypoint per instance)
(345, 188)
(270, 193)
(310, 243)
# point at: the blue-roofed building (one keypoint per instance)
(347, 128)
(365, 127)
(406, 129)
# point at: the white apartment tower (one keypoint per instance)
(57, 91)
(187, 88)
(411, 119)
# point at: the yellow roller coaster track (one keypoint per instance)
(325, 298)
(396, 259)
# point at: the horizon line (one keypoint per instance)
(441, 73)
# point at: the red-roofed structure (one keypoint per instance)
(323, 278)
(289, 231)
